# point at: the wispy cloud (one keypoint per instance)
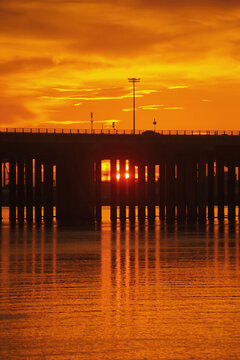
(178, 87)
(156, 107)
(145, 92)
(173, 108)
(94, 95)
(70, 122)
(151, 107)
(129, 109)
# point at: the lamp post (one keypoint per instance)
(133, 81)
(91, 122)
(154, 124)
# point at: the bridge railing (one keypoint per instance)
(118, 131)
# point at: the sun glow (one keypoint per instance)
(106, 169)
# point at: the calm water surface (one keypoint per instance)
(162, 292)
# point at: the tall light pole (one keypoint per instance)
(91, 122)
(133, 81)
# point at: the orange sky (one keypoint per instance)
(61, 59)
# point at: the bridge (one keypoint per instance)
(182, 174)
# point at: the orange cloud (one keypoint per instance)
(62, 60)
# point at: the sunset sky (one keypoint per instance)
(61, 60)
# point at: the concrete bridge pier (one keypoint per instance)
(29, 189)
(210, 190)
(48, 192)
(141, 192)
(170, 190)
(1, 180)
(98, 180)
(162, 189)
(123, 190)
(239, 192)
(12, 190)
(113, 186)
(231, 191)
(20, 190)
(131, 191)
(151, 192)
(191, 189)
(75, 189)
(220, 189)
(181, 192)
(202, 196)
(38, 191)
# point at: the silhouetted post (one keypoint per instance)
(231, 192)
(181, 199)
(48, 192)
(220, 189)
(151, 192)
(1, 169)
(123, 190)
(170, 190)
(38, 190)
(29, 189)
(113, 190)
(131, 190)
(191, 188)
(162, 189)
(98, 190)
(210, 190)
(141, 192)
(12, 190)
(20, 190)
(202, 198)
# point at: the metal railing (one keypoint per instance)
(118, 131)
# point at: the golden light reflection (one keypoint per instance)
(106, 272)
(5, 258)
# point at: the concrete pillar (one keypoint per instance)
(181, 196)
(38, 190)
(131, 191)
(141, 192)
(191, 189)
(220, 190)
(20, 190)
(239, 192)
(202, 196)
(122, 190)
(151, 192)
(170, 190)
(210, 190)
(48, 192)
(75, 189)
(3, 174)
(231, 192)
(98, 190)
(113, 190)
(12, 191)
(1, 179)
(29, 189)
(162, 189)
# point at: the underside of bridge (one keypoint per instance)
(178, 178)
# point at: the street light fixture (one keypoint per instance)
(154, 124)
(134, 81)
